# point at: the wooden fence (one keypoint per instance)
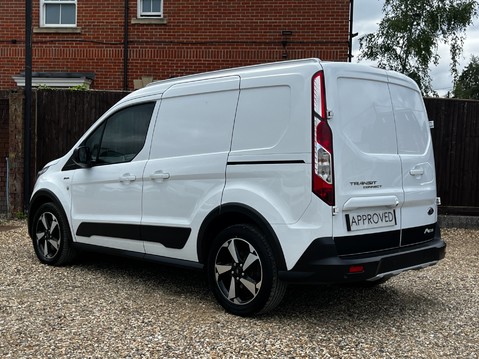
(456, 148)
(61, 117)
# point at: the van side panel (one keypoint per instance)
(273, 116)
(269, 167)
(269, 163)
(185, 175)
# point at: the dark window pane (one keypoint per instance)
(156, 6)
(93, 142)
(68, 14)
(147, 5)
(125, 134)
(52, 14)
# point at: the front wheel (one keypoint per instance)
(243, 273)
(51, 236)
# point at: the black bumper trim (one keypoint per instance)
(321, 264)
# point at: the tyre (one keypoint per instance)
(242, 271)
(51, 236)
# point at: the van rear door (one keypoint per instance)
(418, 212)
(367, 167)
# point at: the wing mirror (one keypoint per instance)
(82, 157)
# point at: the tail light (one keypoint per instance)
(323, 184)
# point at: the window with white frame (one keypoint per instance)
(150, 8)
(58, 13)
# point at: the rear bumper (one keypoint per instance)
(321, 264)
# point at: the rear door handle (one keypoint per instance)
(370, 202)
(159, 175)
(416, 171)
(127, 178)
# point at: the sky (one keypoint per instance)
(368, 14)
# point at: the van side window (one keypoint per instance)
(122, 136)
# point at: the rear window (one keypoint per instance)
(411, 120)
(367, 115)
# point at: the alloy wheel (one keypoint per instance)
(238, 271)
(48, 235)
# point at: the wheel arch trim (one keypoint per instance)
(37, 200)
(222, 217)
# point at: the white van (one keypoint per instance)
(297, 171)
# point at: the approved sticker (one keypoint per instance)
(366, 220)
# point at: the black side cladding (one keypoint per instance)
(170, 237)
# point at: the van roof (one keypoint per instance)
(158, 87)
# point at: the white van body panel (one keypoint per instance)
(271, 145)
(99, 195)
(270, 112)
(53, 180)
(188, 159)
(257, 186)
(295, 238)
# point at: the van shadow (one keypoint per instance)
(362, 307)
(144, 273)
(320, 304)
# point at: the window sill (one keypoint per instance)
(57, 79)
(150, 20)
(57, 30)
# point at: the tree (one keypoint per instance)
(467, 84)
(408, 36)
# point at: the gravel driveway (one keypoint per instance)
(115, 308)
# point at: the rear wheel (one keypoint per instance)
(243, 273)
(51, 236)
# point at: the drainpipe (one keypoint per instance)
(125, 48)
(28, 105)
(6, 187)
(351, 35)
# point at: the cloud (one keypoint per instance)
(367, 18)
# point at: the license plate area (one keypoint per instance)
(361, 220)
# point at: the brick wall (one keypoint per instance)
(198, 36)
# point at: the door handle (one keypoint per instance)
(416, 171)
(127, 178)
(159, 175)
(369, 202)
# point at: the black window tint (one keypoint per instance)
(93, 141)
(124, 135)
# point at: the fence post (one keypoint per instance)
(15, 152)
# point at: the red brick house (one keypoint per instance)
(122, 44)
(109, 45)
